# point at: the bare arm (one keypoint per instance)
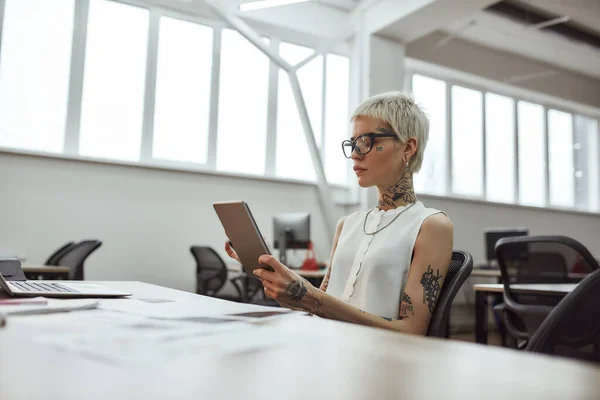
(336, 238)
(432, 254)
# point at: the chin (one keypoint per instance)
(364, 183)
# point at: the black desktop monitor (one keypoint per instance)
(493, 235)
(291, 231)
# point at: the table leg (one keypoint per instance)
(481, 320)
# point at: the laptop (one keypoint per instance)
(13, 281)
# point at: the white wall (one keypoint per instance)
(146, 218)
(471, 218)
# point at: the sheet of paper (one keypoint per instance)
(146, 342)
(184, 310)
(41, 305)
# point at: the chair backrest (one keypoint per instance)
(573, 327)
(76, 256)
(211, 271)
(61, 251)
(540, 259)
(459, 270)
(536, 259)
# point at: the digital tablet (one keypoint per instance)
(242, 231)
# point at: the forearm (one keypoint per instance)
(326, 306)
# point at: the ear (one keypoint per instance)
(410, 148)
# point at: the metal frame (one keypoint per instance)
(213, 116)
(78, 52)
(272, 109)
(150, 85)
(2, 7)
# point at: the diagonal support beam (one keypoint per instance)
(324, 191)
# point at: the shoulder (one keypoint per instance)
(435, 228)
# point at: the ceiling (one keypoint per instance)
(497, 31)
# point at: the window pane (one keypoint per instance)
(183, 79)
(243, 95)
(500, 148)
(532, 186)
(431, 95)
(292, 149)
(114, 81)
(34, 73)
(467, 142)
(560, 151)
(337, 127)
(587, 163)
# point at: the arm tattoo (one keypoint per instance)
(406, 306)
(315, 303)
(295, 291)
(431, 287)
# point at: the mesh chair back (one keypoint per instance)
(573, 328)
(536, 259)
(459, 270)
(211, 271)
(54, 257)
(76, 256)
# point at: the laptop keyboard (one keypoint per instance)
(32, 286)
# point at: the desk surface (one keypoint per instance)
(495, 273)
(44, 269)
(551, 289)
(338, 361)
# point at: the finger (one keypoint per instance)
(271, 261)
(264, 274)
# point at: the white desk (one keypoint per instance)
(343, 362)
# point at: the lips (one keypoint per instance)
(357, 168)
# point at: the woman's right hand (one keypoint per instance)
(231, 252)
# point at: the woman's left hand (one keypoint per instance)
(284, 285)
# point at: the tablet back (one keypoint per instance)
(242, 231)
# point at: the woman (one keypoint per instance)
(387, 263)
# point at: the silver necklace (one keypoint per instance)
(389, 223)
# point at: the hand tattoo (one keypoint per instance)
(295, 291)
(431, 287)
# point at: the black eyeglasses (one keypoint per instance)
(363, 144)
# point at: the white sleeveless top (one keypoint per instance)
(369, 271)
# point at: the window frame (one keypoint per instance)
(457, 78)
(75, 90)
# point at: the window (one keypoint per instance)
(431, 95)
(293, 158)
(114, 81)
(34, 73)
(532, 166)
(560, 162)
(243, 95)
(467, 142)
(183, 81)
(587, 163)
(337, 127)
(500, 148)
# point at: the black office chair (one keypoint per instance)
(54, 257)
(534, 259)
(572, 329)
(76, 256)
(459, 270)
(211, 271)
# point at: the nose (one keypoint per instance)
(354, 155)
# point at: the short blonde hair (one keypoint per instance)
(406, 118)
